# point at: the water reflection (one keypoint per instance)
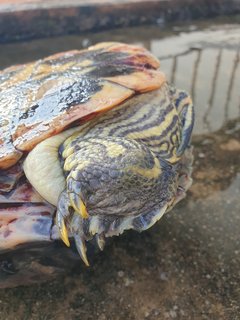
(209, 71)
(187, 266)
(204, 62)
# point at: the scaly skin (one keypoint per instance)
(125, 161)
(123, 168)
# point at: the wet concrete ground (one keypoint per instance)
(32, 19)
(186, 266)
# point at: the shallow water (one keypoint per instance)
(204, 60)
(187, 266)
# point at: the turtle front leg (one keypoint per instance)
(112, 184)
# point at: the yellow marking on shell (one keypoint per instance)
(152, 173)
(44, 69)
(85, 69)
(62, 67)
(85, 63)
(19, 77)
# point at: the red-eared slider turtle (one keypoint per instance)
(92, 143)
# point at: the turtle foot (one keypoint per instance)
(99, 227)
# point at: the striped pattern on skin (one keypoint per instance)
(123, 168)
(152, 119)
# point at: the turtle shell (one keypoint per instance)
(41, 99)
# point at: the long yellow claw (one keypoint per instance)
(63, 231)
(78, 205)
(83, 211)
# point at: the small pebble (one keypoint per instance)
(207, 141)
(163, 276)
(173, 314)
(120, 274)
(146, 314)
(201, 155)
(128, 282)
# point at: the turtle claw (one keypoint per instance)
(70, 222)
(100, 239)
(78, 205)
(81, 248)
(62, 229)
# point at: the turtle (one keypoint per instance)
(93, 142)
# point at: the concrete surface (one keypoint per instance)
(29, 19)
(187, 265)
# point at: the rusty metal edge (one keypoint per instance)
(48, 21)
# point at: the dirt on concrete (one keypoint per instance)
(185, 267)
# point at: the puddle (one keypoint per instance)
(205, 62)
(187, 266)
